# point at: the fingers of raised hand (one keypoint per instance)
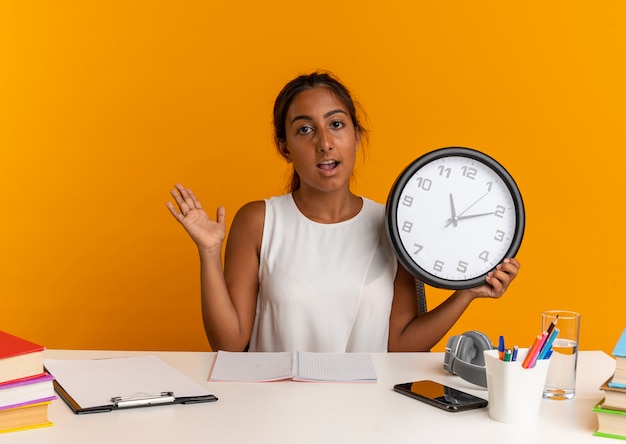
(221, 215)
(186, 200)
(177, 214)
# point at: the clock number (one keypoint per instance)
(499, 235)
(484, 256)
(438, 266)
(500, 211)
(407, 226)
(462, 267)
(407, 201)
(469, 172)
(489, 185)
(443, 171)
(424, 184)
(418, 248)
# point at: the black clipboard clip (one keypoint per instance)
(142, 399)
(137, 400)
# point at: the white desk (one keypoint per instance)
(296, 412)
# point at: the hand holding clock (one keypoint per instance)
(497, 281)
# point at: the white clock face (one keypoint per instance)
(456, 218)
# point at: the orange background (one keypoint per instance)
(105, 104)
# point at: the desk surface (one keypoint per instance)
(297, 412)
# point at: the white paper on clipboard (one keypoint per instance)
(93, 382)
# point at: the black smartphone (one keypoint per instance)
(441, 396)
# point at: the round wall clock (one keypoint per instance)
(453, 215)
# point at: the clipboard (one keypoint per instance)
(133, 401)
(103, 385)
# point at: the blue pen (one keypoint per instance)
(548, 345)
(501, 348)
(514, 357)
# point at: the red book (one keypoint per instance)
(19, 358)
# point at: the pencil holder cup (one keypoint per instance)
(515, 393)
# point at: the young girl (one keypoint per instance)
(312, 270)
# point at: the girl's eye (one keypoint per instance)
(336, 124)
(305, 130)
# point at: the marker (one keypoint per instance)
(533, 359)
(501, 348)
(547, 346)
(515, 349)
(531, 351)
(507, 355)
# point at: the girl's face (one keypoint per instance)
(321, 140)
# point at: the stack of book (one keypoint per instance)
(611, 411)
(26, 390)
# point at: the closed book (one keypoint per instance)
(25, 390)
(19, 358)
(25, 417)
(610, 422)
(617, 384)
(614, 397)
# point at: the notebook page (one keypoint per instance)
(335, 367)
(251, 366)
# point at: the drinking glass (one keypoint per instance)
(561, 380)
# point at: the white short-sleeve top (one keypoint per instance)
(323, 287)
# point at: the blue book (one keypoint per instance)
(619, 353)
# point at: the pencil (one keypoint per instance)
(548, 344)
(552, 324)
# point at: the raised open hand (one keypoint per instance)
(206, 233)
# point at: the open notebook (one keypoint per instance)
(297, 366)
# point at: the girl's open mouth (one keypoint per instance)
(327, 164)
